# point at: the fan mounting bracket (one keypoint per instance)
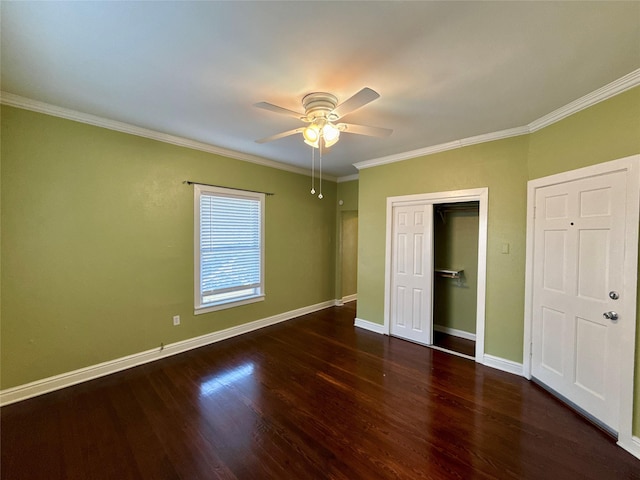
(319, 105)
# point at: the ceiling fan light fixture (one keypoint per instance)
(321, 112)
(311, 135)
(328, 143)
(331, 134)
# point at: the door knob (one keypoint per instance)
(610, 315)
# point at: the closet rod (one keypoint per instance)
(189, 182)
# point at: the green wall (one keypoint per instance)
(349, 253)
(97, 247)
(603, 132)
(456, 247)
(348, 193)
(501, 166)
(606, 131)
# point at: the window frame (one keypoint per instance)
(199, 306)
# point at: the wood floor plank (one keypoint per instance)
(311, 398)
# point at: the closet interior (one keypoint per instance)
(455, 276)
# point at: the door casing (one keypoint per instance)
(632, 167)
(480, 195)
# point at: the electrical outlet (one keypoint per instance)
(176, 320)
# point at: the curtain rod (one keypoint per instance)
(189, 182)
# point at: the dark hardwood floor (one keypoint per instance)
(312, 398)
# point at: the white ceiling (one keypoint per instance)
(444, 70)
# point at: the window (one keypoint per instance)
(229, 248)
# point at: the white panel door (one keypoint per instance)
(412, 273)
(579, 233)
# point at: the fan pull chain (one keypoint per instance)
(320, 174)
(313, 168)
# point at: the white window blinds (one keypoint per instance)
(230, 246)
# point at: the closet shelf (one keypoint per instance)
(446, 273)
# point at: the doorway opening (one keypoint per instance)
(426, 279)
(348, 261)
(455, 276)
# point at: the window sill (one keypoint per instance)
(223, 306)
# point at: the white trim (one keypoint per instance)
(41, 107)
(632, 446)
(493, 136)
(224, 305)
(503, 364)
(480, 195)
(372, 327)
(528, 282)
(46, 385)
(455, 332)
(348, 178)
(350, 298)
(258, 294)
(442, 147)
(627, 348)
(483, 233)
(610, 90)
(451, 352)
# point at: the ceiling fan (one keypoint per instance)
(321, 112)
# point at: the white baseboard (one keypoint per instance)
(350, 298)
(633, 446)
(372, 327)
(502, 364)
(488, 360)
(455, 332)
(46, 385)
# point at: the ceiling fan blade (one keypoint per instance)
(360, 99)
(283, 111)
(280, 135)
(365, 130)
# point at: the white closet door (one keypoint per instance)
(412, 273)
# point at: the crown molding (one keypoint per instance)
(399, 157)
(443, 147)
(610, 90)
(490, 137)
(17, 101)
(348, 178)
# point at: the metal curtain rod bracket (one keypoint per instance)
(189, 182)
